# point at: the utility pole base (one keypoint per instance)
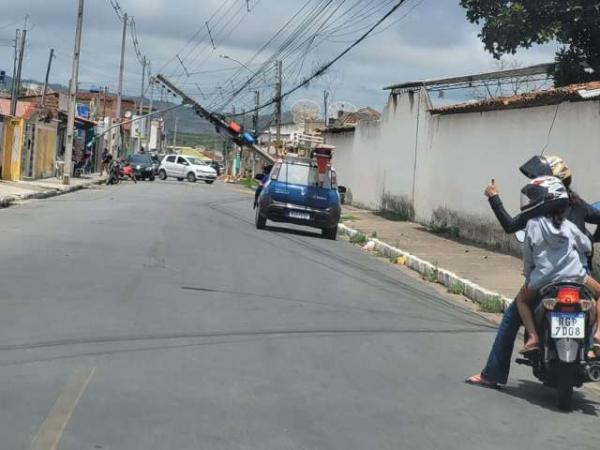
(66, 180)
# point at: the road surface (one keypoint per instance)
(155, 316)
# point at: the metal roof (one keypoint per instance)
(467, 80)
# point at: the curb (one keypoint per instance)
(445, 277)
(8, 201)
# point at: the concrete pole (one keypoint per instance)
(13, 88)
(278, 103)
(73, 97)
(45, 92)
(149, 119)
(121, 67)
(17, 84)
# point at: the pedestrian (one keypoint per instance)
(106, 160)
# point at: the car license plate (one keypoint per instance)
(299, 215)
(568, 325)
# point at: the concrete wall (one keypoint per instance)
(446, 160)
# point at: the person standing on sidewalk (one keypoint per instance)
(497, 367)
(106, 160)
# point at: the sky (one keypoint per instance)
(423, 39)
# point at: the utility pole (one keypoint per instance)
(73, 97)
(13, 88)
(175, 134)
(255, 116)
(45, 92)
(122, 67)
(149, 119)
(104, 102)
(17, 84)
(278, 72)
(139, 124)
(325, 107)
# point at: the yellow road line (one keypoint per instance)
(50, 433)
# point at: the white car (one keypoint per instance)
(183, 166)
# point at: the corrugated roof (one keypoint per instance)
(573, 92)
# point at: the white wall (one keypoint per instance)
(457, 154)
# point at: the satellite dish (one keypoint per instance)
(127, 114)
(339, 108)
(305, 111)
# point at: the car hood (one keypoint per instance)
(206, 169)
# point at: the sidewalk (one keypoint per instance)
(493, 271)
(14, 191)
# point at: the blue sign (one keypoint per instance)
(83, 111)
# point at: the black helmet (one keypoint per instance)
(545, 196)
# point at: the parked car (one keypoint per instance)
(186, 167)
(294, 194)
(142, 166)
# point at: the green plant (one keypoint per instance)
(457, 288)
(358, 238)
(492, 304)
(378, 253)
(250, 183)
(431, 275)
(348, 218)
(396, 207)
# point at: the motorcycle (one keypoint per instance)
(564, 321)
(114, 173)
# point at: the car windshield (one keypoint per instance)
(196, 161)
(140, 159)
(302, 174)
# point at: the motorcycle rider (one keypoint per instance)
(554, 250)
(579, 213)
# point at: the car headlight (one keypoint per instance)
(138, 167)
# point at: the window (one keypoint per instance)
(140, 159)
(171, 159)
(303, 175)
(181, 160)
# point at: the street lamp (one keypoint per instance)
(240, 63)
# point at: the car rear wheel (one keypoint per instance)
(261, 222)
(191, 177)
(162, 175)
(330, 233)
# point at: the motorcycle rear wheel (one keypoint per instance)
(565, 375)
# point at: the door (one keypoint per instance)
(181, 165)
(169, 165)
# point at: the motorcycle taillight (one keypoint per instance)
(568, 296)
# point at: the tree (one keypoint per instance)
(509, 25)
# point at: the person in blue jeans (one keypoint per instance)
(497, 367)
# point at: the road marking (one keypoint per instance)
(50, 433)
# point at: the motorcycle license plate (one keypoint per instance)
(568, 325)
(299, 215)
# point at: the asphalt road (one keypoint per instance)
(155, 316)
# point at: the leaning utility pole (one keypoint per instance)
(278, 74)
(121, 67)
(17, 84)
(73, 98)
(45, 92)
(13, 88)
(325, 107)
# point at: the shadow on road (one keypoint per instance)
(545, 397)
(295, 231)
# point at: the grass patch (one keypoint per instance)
(492, 305)
(396, 207)
(457, 288)
(358, 238)
(431, 275)
(250, 183)
(378, 253)
(348, 218)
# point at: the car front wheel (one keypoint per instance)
(191, 177)
(261, 222)
(330, 233)
(162, 175)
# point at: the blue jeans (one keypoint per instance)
(498, 363)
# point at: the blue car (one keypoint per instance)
(295, 193)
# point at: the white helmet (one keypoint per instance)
(546, 195)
